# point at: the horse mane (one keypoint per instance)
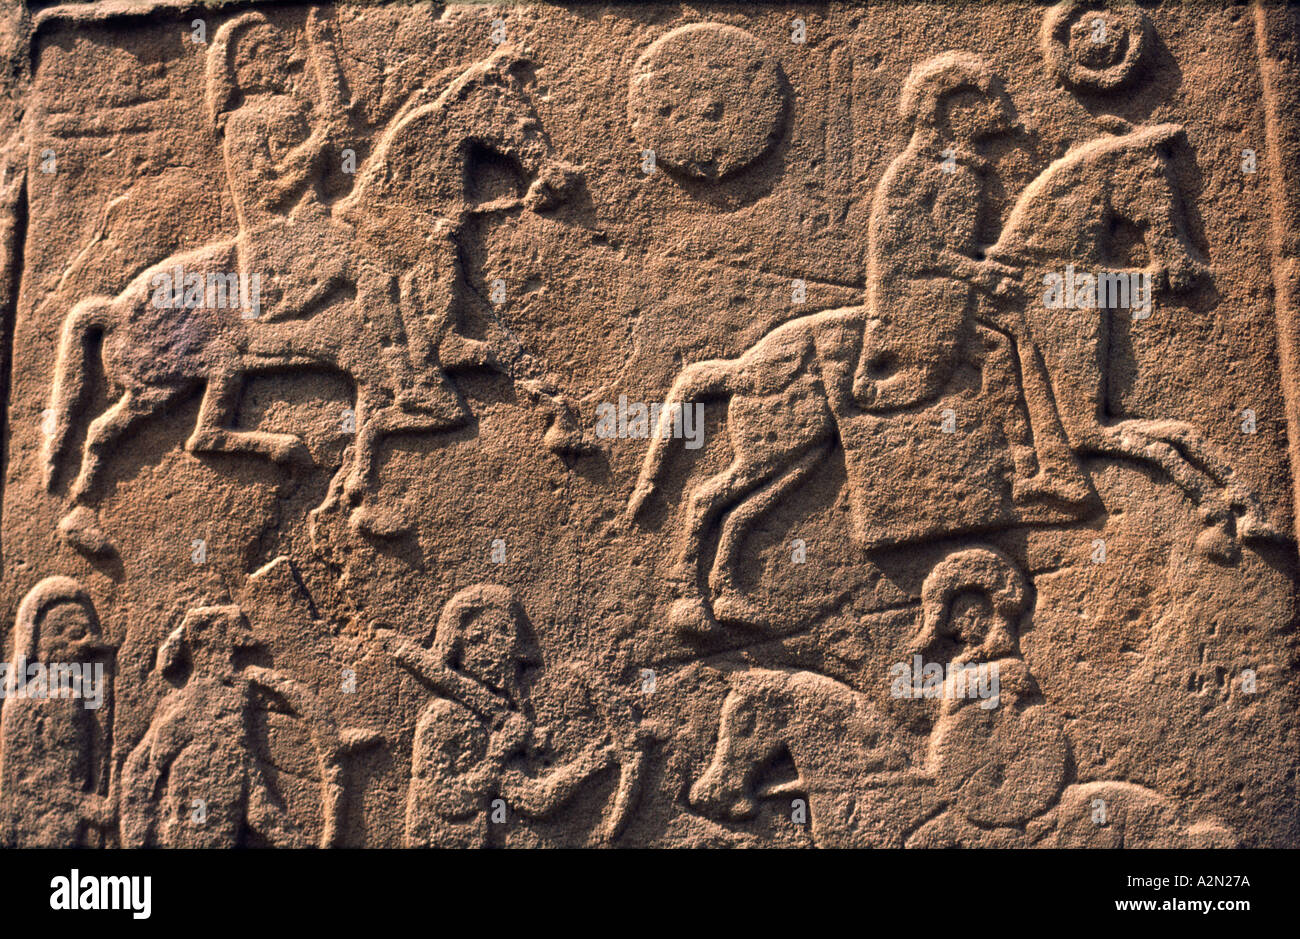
(1149, 137)
(793, 684)
(416, 108)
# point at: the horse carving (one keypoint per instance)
(994, 768)
(800, 378)
(382, 312)
(843, 751)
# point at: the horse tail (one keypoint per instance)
(710, 379)
(70, 378)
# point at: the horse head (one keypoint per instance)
(424, 163)
(1069, 212)
(830, 732)
(751, 733)
(1146, 196)
(490, 110)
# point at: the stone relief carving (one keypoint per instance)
(54, 766)
(376, 569)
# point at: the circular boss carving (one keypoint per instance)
(1093, 45)
(707, 99)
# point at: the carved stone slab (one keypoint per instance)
(649, 425)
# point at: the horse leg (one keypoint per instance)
(1044, 465)
(1187, 439)
(373, 424)
(80, 527)
(1228, 497)
(729, 606)
(708, 379)
(1125, 441)
(707, 502)
(1219, 540)
(1074, 357)
(376, 419)
(1167, 242)
(107, 429)
(213, 435)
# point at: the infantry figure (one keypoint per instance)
(468, 766)
(54, 746)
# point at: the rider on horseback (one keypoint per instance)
(924, 257)
(275, 145)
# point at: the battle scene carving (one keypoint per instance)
(438, 425)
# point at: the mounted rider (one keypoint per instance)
(925, 261)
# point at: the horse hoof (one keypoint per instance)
(691, 616)
(427, 401)
(80, 529)
(295, 453)
(1216, 544)
(357, 739)
(1253, 527)
(1188, 275)
(1252, 523)
(566, 441)
(743, 808)
(354, 490)
(733, 608)
(381, 524)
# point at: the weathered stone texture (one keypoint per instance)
(650, 424)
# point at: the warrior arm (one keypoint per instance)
(288, 176)
(442, 679)
(297, 695)
(538, 797)
(274, 183)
